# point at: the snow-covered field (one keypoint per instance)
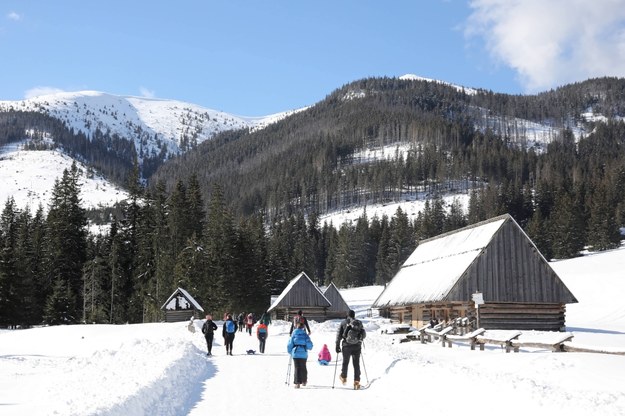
(162, 369)
(28, 177)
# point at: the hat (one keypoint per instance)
(351, 313)
(300, 312)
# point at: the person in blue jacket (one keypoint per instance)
(298, 347)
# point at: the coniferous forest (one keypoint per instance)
(233, 220)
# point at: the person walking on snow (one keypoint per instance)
(208, 330)
(240, 319)
(296, 321)
(324, 356)
(249, 323)
(228, 331)
(349, 340)
(298, 346)
(261, 334)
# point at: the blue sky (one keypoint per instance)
(256, 58)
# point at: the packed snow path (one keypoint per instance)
(162, 369)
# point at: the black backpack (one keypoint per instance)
(353, 332)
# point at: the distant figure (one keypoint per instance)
(261, 334)
(191, 326)
(324, 356)
(298, 346)
(208, 330)
(240, 320)
(349, 340)
(433, 322)
(265, 318)
(249, 323)
(297, 319)
(228, 331)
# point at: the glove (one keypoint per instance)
(338, 349)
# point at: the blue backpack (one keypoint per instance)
(230, 326)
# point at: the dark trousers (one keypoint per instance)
(353, 352)
(228, 340)
(300, 373)
(209, 342)
(261, 343)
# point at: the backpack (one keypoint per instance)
(297, 319)
(353, 332)
(230, 326)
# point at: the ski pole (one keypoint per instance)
(336, 365)
(362, 356)
(288, 371)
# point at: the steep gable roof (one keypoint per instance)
(182, 294)
(334, 296)
(300, 292)
(494, 257)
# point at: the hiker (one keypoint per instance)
(298, 346)
(324, 356)
(240, 319)
(296, 321)
(208, 330)
(249, 323)
(228, 332)
(265, 318)
(261, 334)
(349, 340)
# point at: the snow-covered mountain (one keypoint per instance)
(157, 127)
(152, 123)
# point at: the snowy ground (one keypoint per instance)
(162, 369)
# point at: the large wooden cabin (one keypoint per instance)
(490, 273)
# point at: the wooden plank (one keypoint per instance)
(569, 347)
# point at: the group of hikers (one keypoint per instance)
(349, 338)
(230, 327)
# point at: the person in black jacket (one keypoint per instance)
(297, 319)
(208, 330)
(349, 341)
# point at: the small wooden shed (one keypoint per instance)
(181, 306)
(490, 272)
(300, 294)
(339, 308)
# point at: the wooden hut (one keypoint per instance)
(489, 272)
(181, 306)
(300, 294)
(338, 308)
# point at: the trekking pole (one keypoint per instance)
(336, 365)
(288, 371)
(362, 356)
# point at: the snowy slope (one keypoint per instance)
(147, 121)
(162, 369)
(28, 177)
(151, 123)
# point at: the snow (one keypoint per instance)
(162, 368)
(28, 176)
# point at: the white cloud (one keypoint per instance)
(147, 93)
(37, 91)
(552, 42)
(14, 16)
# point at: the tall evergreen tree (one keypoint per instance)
(65, 248)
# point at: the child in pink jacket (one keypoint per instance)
(324, 355)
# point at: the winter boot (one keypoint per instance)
(297, 386)
(343, 379)
(356, 385)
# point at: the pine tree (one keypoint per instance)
(65, 248)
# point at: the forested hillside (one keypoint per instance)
(238, 216)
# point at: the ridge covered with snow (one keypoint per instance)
(150, 122)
